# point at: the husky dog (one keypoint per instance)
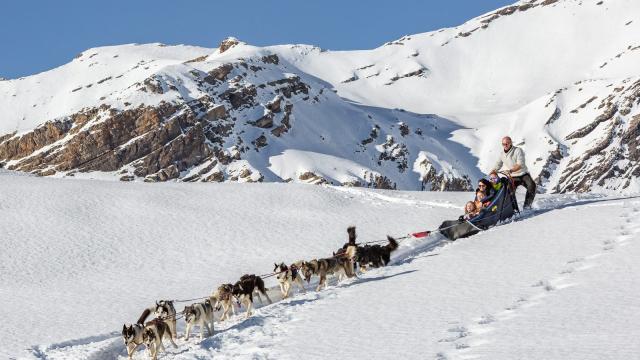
(200, 314)
(324, 267)
(375, 255)
(244, 289)
(166, 311)
(132, 335)
(154, 331)
(287, 276)
(348, 250)
(223, 298)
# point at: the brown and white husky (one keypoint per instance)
(154, 331)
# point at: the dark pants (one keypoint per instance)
(526, 181)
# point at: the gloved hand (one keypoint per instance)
(461, 219)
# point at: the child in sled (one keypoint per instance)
(495, 180)
(470, 210)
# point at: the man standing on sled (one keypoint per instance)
(512, 159)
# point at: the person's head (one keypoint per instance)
(506, 143)
(483, 185)
(479, 195)
(470, 207)
(493, 177)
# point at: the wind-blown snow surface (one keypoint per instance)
(82, 257)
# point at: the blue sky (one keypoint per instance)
(37, 35)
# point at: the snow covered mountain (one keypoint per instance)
(422, 112)
(238, 113)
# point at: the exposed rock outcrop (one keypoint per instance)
(439, 181)
(227, 44)
(215, 122)
(612, 159)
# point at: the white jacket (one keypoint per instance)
(514, 156)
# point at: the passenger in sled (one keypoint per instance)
(494, 201)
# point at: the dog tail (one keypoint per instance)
(351, 230)
(143, 316)
(393, 244)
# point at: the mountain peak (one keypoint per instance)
(228, 43)
(272, 113)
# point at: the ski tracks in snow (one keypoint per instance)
(463, 339)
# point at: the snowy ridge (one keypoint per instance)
(501, 73)
(99, 73)
(534, 70)
(225, 116)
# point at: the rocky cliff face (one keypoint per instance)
(567, 97)
(297, 113)
(222, 121)
(602, 152)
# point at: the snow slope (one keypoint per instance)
(559, 76)
(516, 59)
(87, 256)
(237, 109)
(95, 73)
(526, 70)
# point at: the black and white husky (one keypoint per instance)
(132, 335)
(375, 255)
(200, 314)
(244, 289)
(154, 331)
(222, 297)
(287, 276)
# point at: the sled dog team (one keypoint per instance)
(343, 263)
